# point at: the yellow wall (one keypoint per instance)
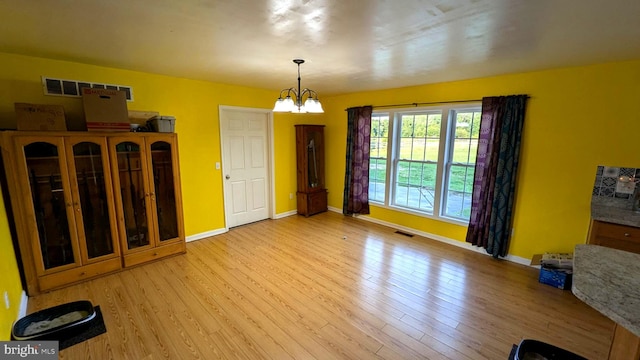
(10, 278)
(577, 118)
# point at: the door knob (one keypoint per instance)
(227, 177)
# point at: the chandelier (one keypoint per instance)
(293, 101)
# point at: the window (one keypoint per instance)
(423, 161)
(415, 173)
(378, 157)
(461, 161)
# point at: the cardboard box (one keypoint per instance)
(536, 259)
(553, 260)
(559, 278)
(141, 117)
(105, 109)
(40, 117)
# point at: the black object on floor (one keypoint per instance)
(68, 324)
(54, 323)
(514, 350)
(95, 328)
(529, 348)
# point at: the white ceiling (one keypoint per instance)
(349, 45)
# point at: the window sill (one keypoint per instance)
(420, 214)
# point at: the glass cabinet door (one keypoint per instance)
(91, 182)
(50, 200)
(132, 193)
(164, 190)
(315, 159)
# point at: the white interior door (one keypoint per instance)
(245, 138)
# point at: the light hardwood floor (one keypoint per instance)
(296, 288)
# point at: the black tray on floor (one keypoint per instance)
(60, 332)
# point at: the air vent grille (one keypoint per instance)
(73, 88)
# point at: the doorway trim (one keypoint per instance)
(270, 158)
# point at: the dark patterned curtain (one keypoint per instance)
(356, 177)
(494, 182)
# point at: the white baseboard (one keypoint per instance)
(335, 209)
(210, 233)
(206, 234)
(285, 214)
(24, 299)
(460, 244)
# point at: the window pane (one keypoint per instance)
(415, 185)
(405, 148)
(475, 127)
(429, 176)
(418, 156)
(459, 191)
(420, 137)
(415, 174)
(433, 145)
(433, 126)
(473, 150)
(373, 151)
(378, 157)
(406, 126)
(420, 126)
(377, 170)
(462, 165)
(417, 149)
(461, 151)
(432, 142)
(376, 191)
(464, 120)
(402, 172)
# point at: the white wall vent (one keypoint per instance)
(73, 88)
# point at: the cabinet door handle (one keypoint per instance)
(627, 234)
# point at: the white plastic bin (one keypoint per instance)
(164, 124)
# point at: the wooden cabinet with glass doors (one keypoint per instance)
(69, 220)
(147, 179)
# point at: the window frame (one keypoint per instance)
(444, 159)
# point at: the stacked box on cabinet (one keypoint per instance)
(163, 123)
(105, 109)
(40, 117)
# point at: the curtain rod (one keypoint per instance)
(416, 104)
